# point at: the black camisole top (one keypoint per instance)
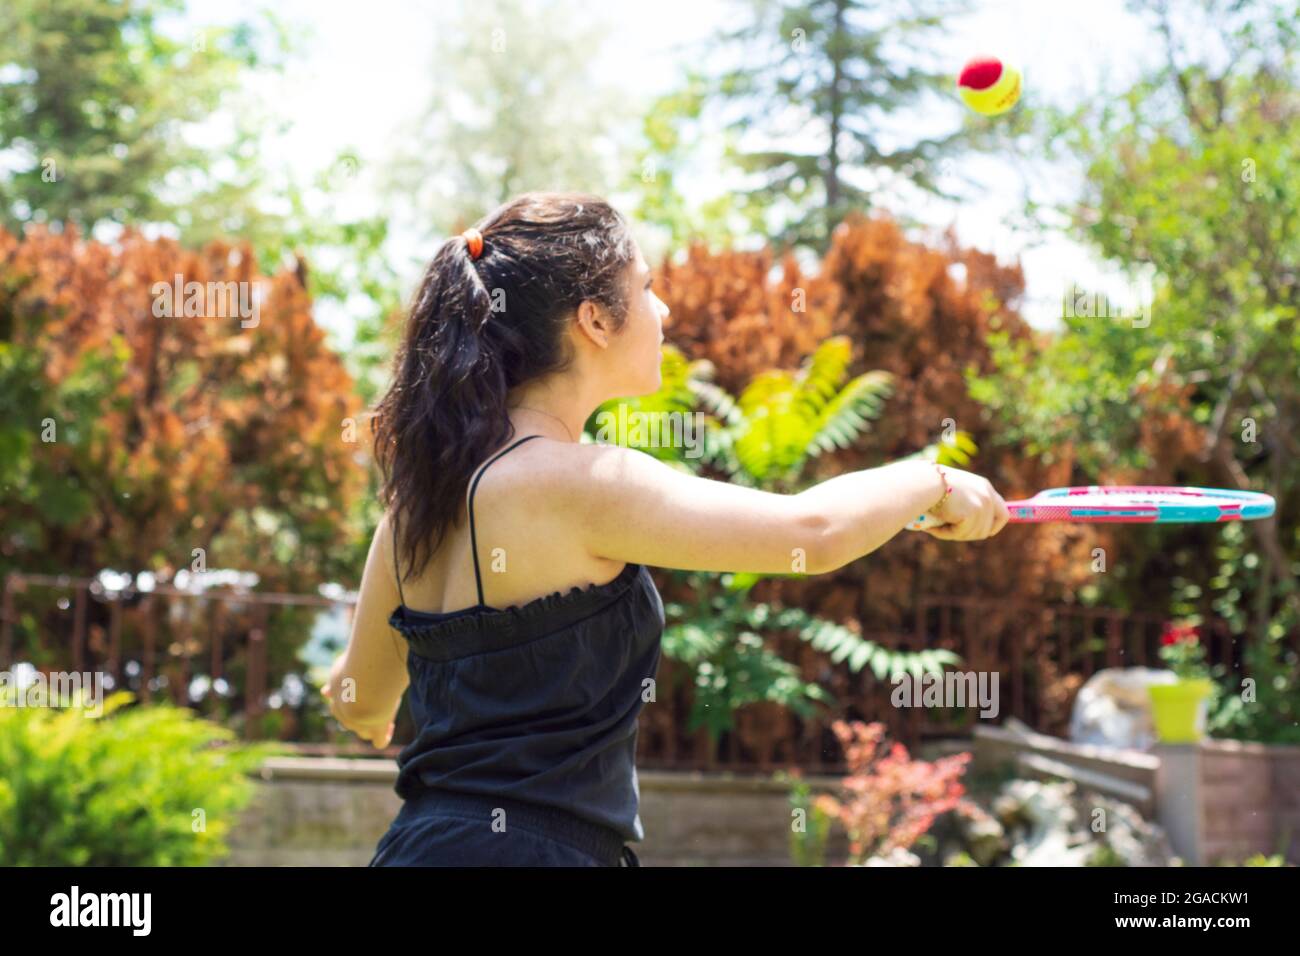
(537, 702)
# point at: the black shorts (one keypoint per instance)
(441, 828)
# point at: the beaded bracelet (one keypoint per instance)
(947, 490)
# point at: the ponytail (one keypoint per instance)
(481, 325)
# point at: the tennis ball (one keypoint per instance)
(988, 85)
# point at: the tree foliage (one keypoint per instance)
(513, 105)
(131, 439)
(1189, 180)
(766, 438)
(849, 78)
(921, 316)
(99, 113)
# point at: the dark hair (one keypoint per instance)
(477, 328)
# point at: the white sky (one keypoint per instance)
(363, 72)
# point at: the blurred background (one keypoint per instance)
(1097, 287)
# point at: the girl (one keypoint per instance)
(507, 584)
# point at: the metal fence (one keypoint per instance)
(1042, 654)
(211, 651)
(154, 643)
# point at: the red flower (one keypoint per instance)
(1173, 633)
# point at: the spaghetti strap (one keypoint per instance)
(397, 567)
(473, 537)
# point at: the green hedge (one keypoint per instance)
(130, 786)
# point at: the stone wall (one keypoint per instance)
(1217, 800)
(317, 811)
(1226, 800)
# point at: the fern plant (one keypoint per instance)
(766, 439)
(721, 635)
(674, 402)
(782, 419)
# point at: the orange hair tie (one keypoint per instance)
(475, 240)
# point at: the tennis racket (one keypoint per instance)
(1134, 504)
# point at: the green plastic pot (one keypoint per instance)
(1178, 710)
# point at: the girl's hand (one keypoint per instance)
(973, 511)
(379, 733)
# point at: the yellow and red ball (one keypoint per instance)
(989, 86)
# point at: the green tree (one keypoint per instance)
(827, 80)
(1189, 181)
(515, 105)
(107, 121)
(98, 116)
(671, 134)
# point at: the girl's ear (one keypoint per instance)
(594, 323)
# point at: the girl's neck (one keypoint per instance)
(551, 422)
